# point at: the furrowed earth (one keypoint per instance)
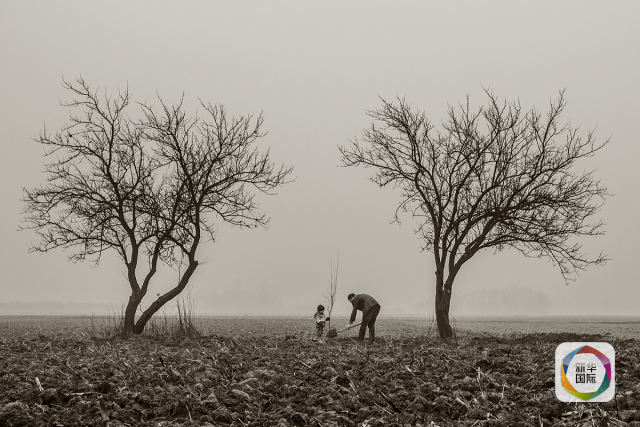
(267, 371)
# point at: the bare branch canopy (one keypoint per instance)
(151, 189)
(493, 177)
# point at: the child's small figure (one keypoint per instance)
(320, 318)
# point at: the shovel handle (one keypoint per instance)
(349, 327)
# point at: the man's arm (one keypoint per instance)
(353, 313)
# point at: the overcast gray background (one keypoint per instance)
(314, 69)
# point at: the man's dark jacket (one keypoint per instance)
(362, 302)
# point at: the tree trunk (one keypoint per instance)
(163, 299)
(443, 300)
(130, 314)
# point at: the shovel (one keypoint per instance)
(334, 333)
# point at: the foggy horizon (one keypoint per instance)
(314, 73)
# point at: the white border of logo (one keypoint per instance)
(566, 348)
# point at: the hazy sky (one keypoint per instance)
(314, 69)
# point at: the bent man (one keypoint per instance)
(370, 309)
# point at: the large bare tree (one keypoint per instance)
(493, 177)
(149, 189)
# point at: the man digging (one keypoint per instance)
(370, 309)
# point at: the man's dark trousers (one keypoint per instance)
(369, 320)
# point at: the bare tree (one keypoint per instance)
(333, 289)
(490, 178)
(150, 190)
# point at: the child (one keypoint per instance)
(320, 318)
